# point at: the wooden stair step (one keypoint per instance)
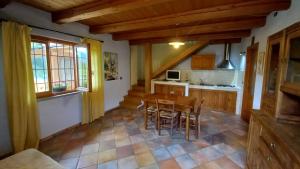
(136, 93)
(133, 99)
(138, 88)
(128, 105)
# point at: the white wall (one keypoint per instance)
(273, 25)
(59, 113)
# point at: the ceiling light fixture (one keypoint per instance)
(176, 44)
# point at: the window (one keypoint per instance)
(56, 68)
(39, 66)
(62, 66)
(82, 66)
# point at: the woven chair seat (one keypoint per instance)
(165, 114)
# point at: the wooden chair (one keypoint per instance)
(167, 116)
(194, 118)
(150, 115)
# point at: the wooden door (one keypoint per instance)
(249, 81)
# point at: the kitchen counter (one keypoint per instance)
(236, 89)
(188, 86)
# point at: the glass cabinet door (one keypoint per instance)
(273, 63)
(293, 69)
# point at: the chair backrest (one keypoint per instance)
(197, 107)
(165, 105)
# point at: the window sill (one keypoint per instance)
(59, 95)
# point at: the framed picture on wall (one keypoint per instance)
(260, 63)
(110, 66)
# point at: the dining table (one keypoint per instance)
(183, 104)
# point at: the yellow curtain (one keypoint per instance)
(93, 101)
(20, 91)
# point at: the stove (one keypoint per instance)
(225, 85)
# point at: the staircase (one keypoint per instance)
(134, 97)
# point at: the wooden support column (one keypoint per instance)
(148, 66)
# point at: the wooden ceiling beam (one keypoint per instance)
(3, 3)
(183, 55)
(252, 8)
(212, 36)
(101, 8)
(191, 30)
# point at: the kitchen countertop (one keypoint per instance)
(194, 86)
(214, 87)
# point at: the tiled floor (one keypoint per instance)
(119, 140)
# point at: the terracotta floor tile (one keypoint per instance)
(224, 148)
(90, 148)
(120, 141)
(238, 158)
(153, 166)
(140, 148)
(69, 163)
(109, 165)
(107, 145)
(88, 160)
(161, 154)
(169, 164)
(186, 162)
(226, 163)
(176, 150)
(127, 163)
(210, 153)
(137, 139)
(107, 155)
(124, 151)
(144, 159)
(123, 142)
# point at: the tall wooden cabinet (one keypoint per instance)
(281, 88)
(274, 132)
(275, 54)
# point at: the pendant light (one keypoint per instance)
(176, 44)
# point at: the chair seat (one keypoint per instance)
(165, 114)
(151, 109)
(192, 116)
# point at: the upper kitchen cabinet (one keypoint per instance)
(203, 62)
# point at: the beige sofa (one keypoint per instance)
(29, 159)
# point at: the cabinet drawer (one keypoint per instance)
(278, 151)
(268, 156)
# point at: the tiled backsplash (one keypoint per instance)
(227, 77)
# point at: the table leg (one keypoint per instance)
(187, 126)
(146, 116)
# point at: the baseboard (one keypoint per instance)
(6, 155)
(59, 132)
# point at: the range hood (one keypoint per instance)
(226, 63)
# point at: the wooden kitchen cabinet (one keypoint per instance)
(203, 62)
(272, 145)
(169, 89)
(218, 100)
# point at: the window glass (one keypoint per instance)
(62, 69)
(39, 66)
(82, 66)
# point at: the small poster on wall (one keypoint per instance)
(110, 66)
(260, 63)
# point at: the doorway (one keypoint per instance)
(249, 81)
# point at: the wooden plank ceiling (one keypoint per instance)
(156, 21)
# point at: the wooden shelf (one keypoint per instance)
(291, 88)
